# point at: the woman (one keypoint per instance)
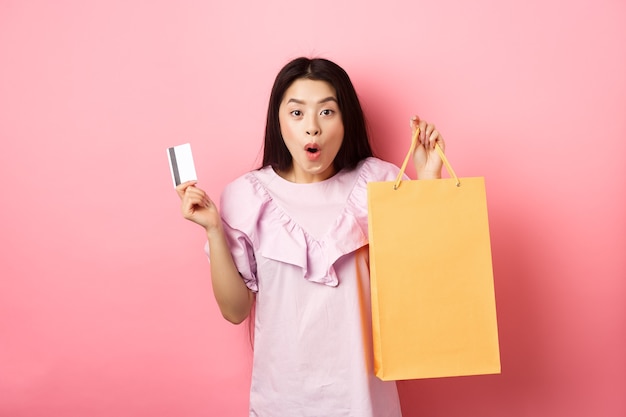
(291, 239)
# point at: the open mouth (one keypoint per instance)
(311, 148)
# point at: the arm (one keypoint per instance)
(233, 297)
(427, 162)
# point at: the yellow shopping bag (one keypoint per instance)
(433, 302)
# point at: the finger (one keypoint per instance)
(433, 138)
(414, 124)
(441, 142)
(423, 126)
(430, 128)
(414, 121)
(190, 204)
(199, 197)
(186, 184)
(193, 190)
(181, 188)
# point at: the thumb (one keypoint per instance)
(181, 188)
(414, 122)
(415, 129)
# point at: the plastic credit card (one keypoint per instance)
(181, 164)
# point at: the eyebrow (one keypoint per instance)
(322, 101)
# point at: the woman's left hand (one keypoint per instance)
(427, 162)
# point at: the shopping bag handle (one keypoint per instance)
(408, 156)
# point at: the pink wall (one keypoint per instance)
(105, 300)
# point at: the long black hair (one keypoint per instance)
(355, 146)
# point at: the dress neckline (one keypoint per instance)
(279, 178)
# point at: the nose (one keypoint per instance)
(313, 128)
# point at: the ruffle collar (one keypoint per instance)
(316, 257)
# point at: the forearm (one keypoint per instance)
(233, 297)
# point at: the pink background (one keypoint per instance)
(105, 299)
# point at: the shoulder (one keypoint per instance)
(244, 197)
(375, 169)
(369, 170)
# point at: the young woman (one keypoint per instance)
(291, 238)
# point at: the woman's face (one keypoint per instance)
(312, 129)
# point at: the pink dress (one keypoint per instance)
(303, 248)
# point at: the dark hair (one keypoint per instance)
(355, 146)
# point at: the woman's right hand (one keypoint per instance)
(198, 207)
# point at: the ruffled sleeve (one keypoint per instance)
(241, 206)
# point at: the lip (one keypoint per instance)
(312, 156)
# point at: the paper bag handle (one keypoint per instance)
(408, 156)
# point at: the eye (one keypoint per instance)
(327, 112)
(296, 113)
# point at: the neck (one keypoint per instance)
(301, 177)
